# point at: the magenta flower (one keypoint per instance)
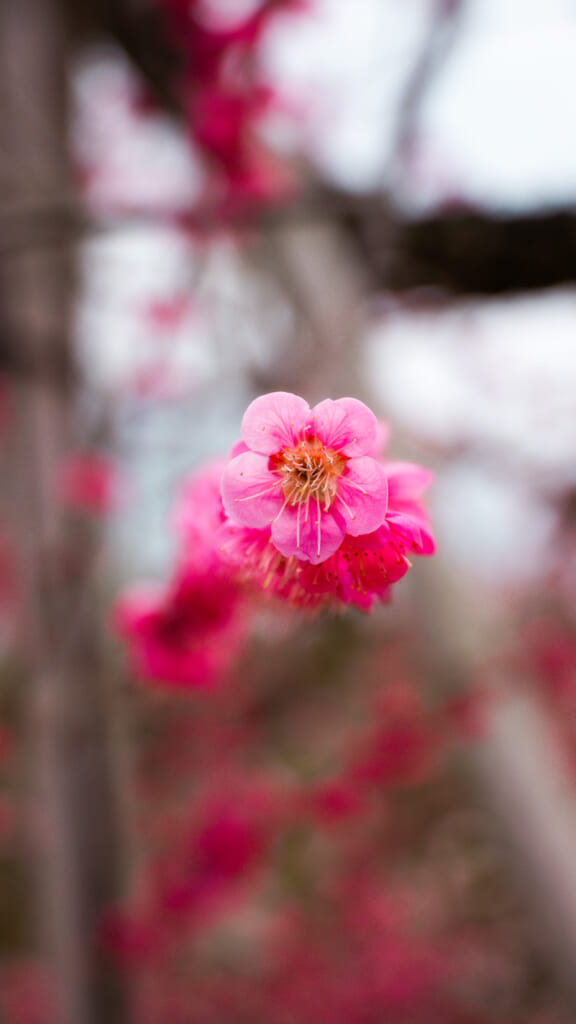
(307, 474)
(361, 571)
(198, 512)
(189, 632)
(87, 482)
(185, 635)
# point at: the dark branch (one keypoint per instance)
(463, 252)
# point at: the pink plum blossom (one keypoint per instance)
(224, 99)
(187, 635)
(189, 632)
(198, 512)
(88, 482)
(363, 568)
(307, 474)
(227, 844)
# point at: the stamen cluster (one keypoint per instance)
(310, 471)
(291, 455)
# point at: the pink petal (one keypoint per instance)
(303, 538)
(414, 531)
(373, 569)
(382, 437)
(133, 609)
(237, 449)
(406, 481)
(251, 494)
(275, 421)
(346, 425)
(380, 538)
(198, 508)
(362, 495)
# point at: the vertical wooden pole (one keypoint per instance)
(73, 827)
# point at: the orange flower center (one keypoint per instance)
(309, 471)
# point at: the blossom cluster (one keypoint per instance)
(297, 863)
(224, 96)
(306, 509)
(188, 632)
(271, 894)
(315, 513)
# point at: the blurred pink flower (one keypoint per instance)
(166, 315)
(403, 744)
(202, 869)
(228, 842)
(186, 635)
(335, 801)
(87, 482)
(208, 47)
(27, 993)
(199, 512)
(307, 474)
(224, 98)
(365, 567)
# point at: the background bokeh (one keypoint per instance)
(346, 818)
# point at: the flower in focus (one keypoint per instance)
(306, 496)
(307, 474)
(365, 567)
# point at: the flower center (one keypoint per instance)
(309, 471)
